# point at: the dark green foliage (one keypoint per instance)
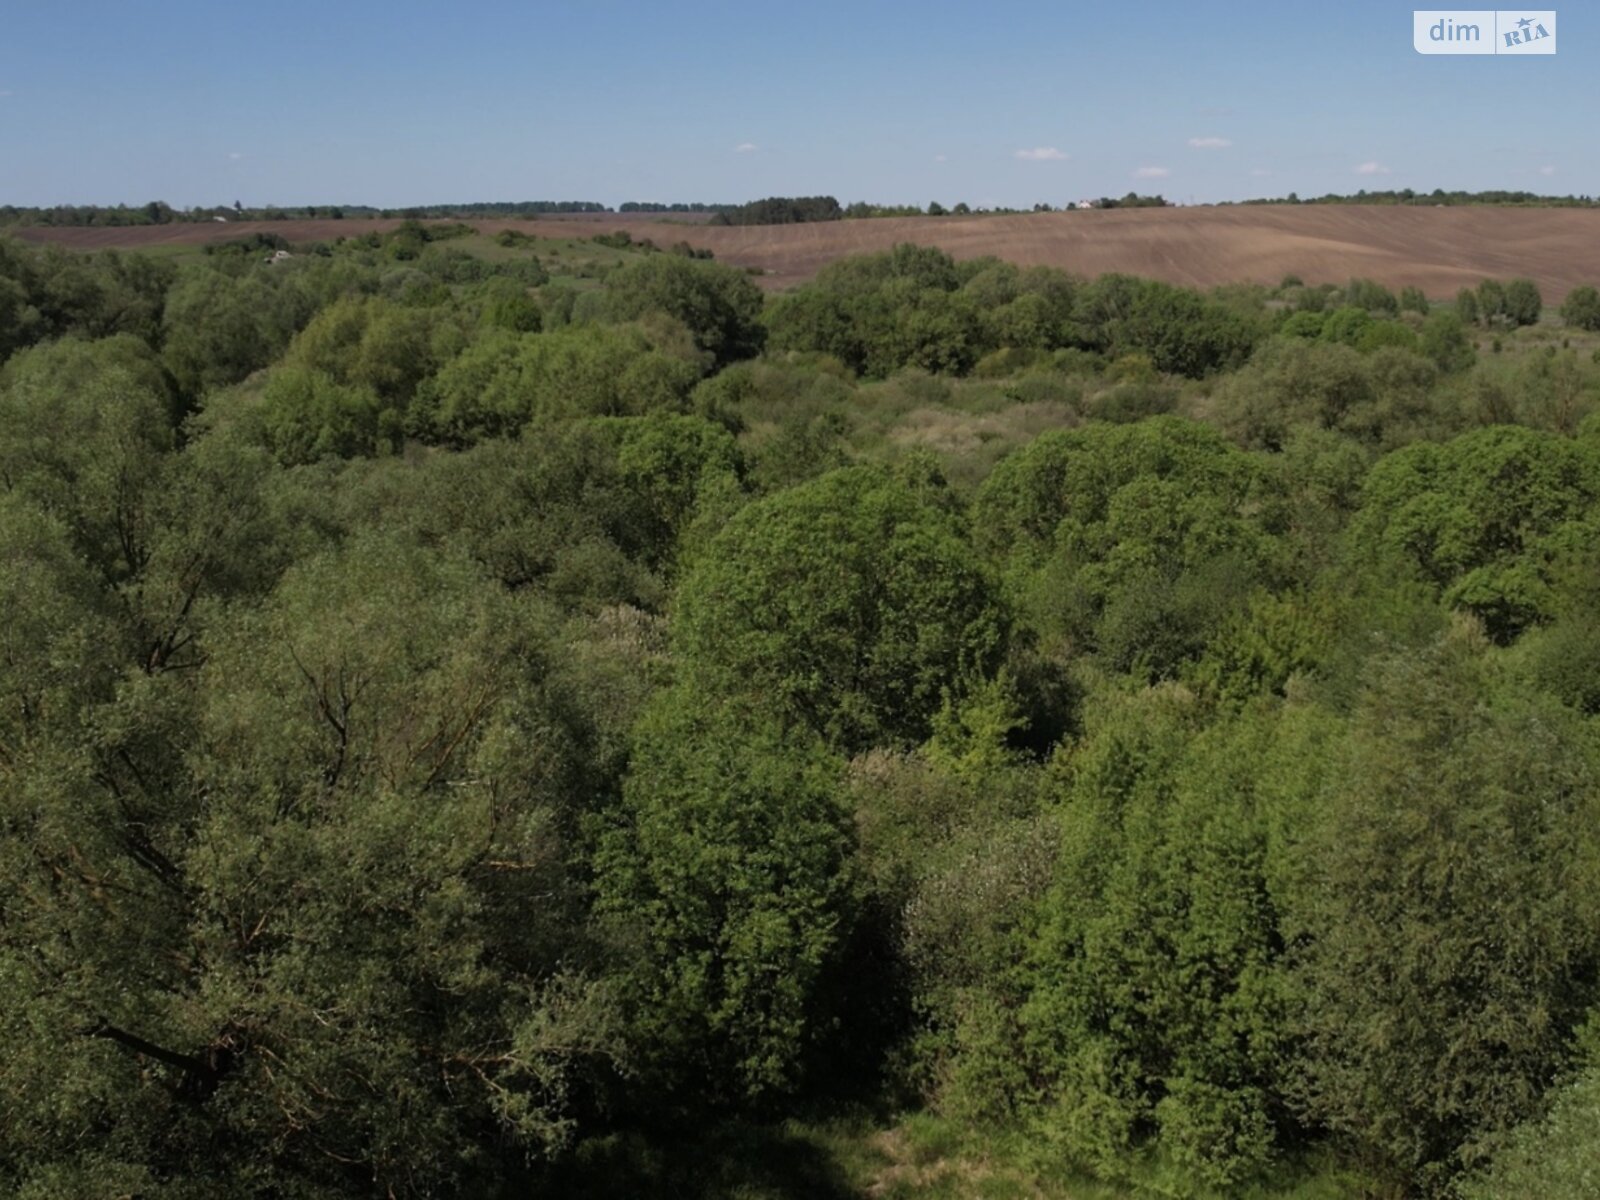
(254, 245)
(52, 292)
(915, 307)
(781, 210)
(1132, 541)
(1581, 309)
(1523, 303)
(1372, 297)
(1445, 341)
(720, 306)
(1181, 331)
(1446, 943)
(219, 328)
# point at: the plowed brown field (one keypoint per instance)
(1436, 249)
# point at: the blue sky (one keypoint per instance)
(392, 103)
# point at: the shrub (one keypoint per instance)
(1581, 309)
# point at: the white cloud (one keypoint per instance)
(1151, 173)
(1041, 154)
(1547, 170)
(1210, 143)
(940, 158)
(1260, 172)
(1373, 168)
(5, 93)
(235, 156)
(746, 148)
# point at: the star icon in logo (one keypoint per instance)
(1524, 23)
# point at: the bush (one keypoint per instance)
(1523, 302)
(1581, 309)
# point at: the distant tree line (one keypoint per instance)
(645, 206)
(157, 212)
(782, 210)
(774, 210)
(1408, 196)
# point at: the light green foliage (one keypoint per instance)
(1387, 334)
(1348, 326)
(727, 880)
(307, 415)
(1292, 384)
(1478, 518)
(60, 638)
(507, 304)
(1492, 301)
(504, 382)
(1307, 325)
(462, 735)
(229, 944)
(849, 605)
(1158, 990)
(84, 428)
(1555, 1158)
(349, 377)
(597, 513)
(374, 344)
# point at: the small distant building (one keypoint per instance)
(1085, 204)
(278, 256)
(224, 220)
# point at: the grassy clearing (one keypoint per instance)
(862, 1156)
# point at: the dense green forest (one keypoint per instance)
(526, 718)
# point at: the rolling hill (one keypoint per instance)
(1437, 249)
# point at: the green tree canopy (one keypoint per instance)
(850, 605)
